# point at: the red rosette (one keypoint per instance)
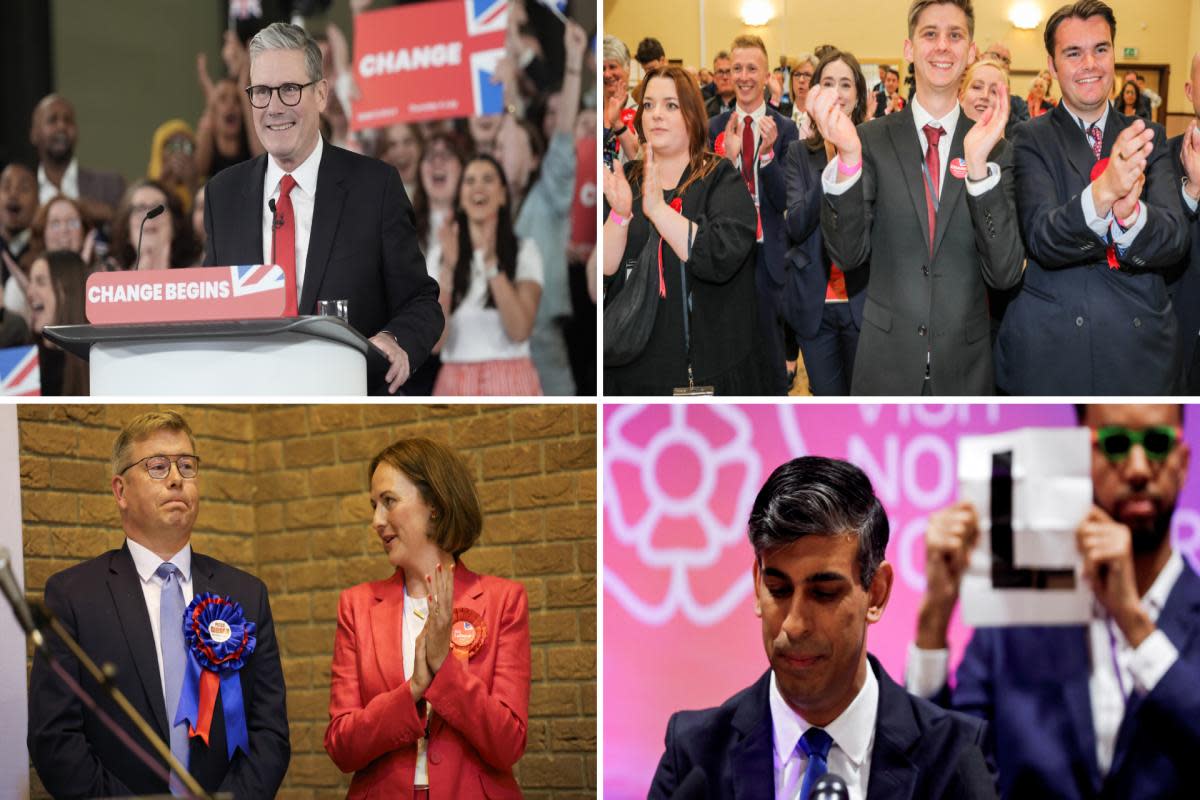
(468, 632)
(627, 115)
(719, 144)
(1098, 168)
(677, 204)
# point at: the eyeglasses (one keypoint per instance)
(64, 225)
(289, 93)
(159, 467)
(1115, 441)
(183, 145)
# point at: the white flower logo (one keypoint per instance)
(682, 478)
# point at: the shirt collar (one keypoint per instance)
(70, 181)
(755, 115)
(852, 731)
(305, 175)
(948, 123)
(1083, 126)
(146, 562)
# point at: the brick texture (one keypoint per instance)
(283, 494)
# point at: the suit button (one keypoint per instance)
(925, 270)
(435, 756)
(1079, 322)
(1137, 322)
(922, 330)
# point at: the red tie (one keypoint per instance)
(748, 153)
(1097, 137)
(933, 166)
(285, 243)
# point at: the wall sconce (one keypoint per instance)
(757, 12)
(1025, 16)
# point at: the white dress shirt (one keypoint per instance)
(416, 611)
(146, 562)
(304, 198)
(1117, 669)
(853, 734)
(47, 191)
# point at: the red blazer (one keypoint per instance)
(480, 707)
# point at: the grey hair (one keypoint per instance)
(285, 36)
(615, 50)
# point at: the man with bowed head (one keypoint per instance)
(126, 608)
(1105, 709)
(819, 534)
(347, 230)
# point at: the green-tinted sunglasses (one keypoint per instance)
(1157, 441)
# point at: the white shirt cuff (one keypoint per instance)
(1191, 204)
(926, 670)
(1099, 225)
(1151, 660)
(976, 188)
(829, 178)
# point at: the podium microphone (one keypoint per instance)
(829, 787)
(151, 214)
(16, 598)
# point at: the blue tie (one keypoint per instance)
(815, 743)
(174, 659)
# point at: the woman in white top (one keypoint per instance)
(491, 283)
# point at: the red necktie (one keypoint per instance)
(1097, 137)
(933, 168)
(285, 243)
(748, 153)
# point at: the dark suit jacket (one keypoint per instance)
(713, 104)
(920, 751)
(363, 247)
(808, 261)
(100, 602)
(772, 255)
(1031, 685)
(914, 303)
(1183, 283)
(1078, 327)
(107, 187)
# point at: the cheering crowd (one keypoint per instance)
(502, 206)
(951, 239)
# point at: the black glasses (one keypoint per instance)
(1115, 441)
(159, 467)
(289, 93)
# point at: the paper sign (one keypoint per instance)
(195, 294)
(1031, 488)
(20, 372)
(428, 61)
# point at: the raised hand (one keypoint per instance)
(1124, 208)
(950, 535)
(575, 43)
(617, 191)
(1107, 549)
(768, 131)
(1189, 156)
(441, 612)
(834, 124)
(421, 677)
(986, 134)
(1130, 155)
(652, 192)
(733, 136)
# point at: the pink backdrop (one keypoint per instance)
(679, 624)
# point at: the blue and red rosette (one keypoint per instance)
(219, 639)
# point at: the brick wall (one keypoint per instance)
(284, 496)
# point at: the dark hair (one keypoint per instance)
(417, 196)
(1137, 93)
(183, 243)
(918, 6)
(1081, 412)
(649, 49)
(1083, 9)
(506, 240)
(701, 160)
(68, 281)
(820, 496)
(445, 485)
(859, 112)
(720, 54)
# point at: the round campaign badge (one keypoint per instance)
(463, 634)
(719, 144)
(219, 631)
(958, 168)
(627, 115)
(1098, 168)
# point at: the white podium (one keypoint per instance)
(296, 356)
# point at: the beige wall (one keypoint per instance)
(1164, 31)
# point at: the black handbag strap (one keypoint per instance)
(686, 294)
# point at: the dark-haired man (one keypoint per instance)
(1103, 710)
(819, 534)
(650, 54)
(722, 97)
(1102, 219)
(54, 134)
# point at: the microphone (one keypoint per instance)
(151, 214)
(829, 787)
(276, 220)
(14, 595)
(693, 787)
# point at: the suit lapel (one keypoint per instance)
(248, 219)
(1073, 142)
(952, 188)
(327, 212)
(903, 133)
(893, 773)
(1072, 657)
(387, 619)
(126, 589)
(750, 760)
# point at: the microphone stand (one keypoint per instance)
(105, 678)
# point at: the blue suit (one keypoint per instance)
(920, 750)
(1031, 685)
(771, 264)
(1184, 285)
(1078, 327)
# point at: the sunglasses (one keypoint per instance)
(1115, 441)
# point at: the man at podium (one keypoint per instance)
(339, 224)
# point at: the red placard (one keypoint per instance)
(583, 204)
(196, 294)
(428, 61)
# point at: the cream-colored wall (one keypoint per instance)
(1164, 31)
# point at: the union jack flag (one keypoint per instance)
(254, 278)
(486, 16)
(19, 372)
(245, 9)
